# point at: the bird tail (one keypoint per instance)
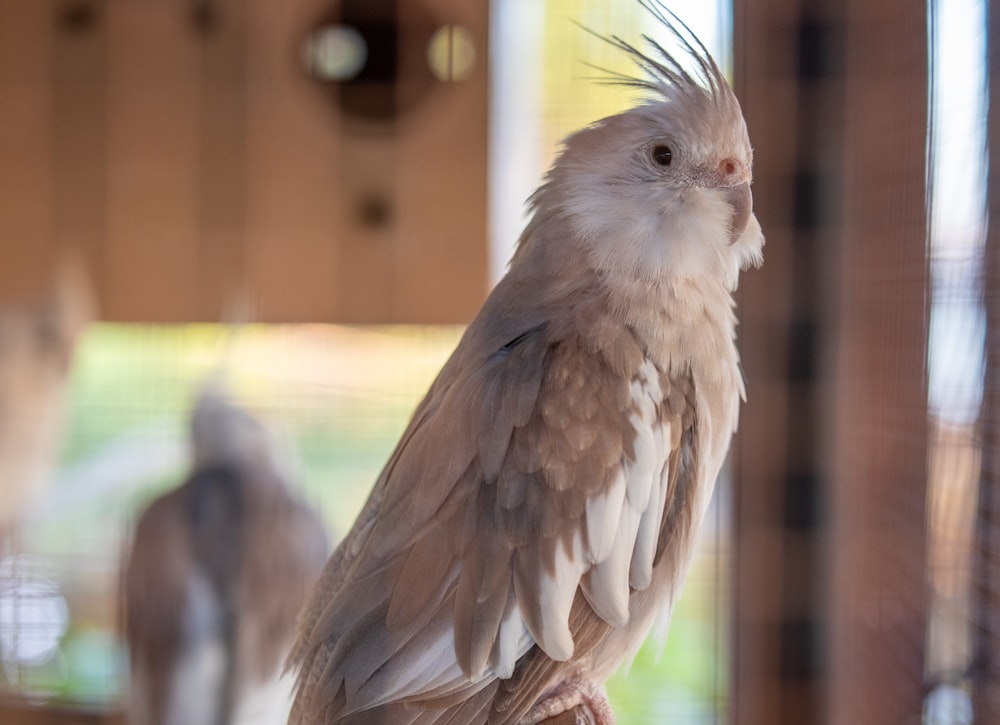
(217, 522)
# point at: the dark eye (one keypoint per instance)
(662, 155)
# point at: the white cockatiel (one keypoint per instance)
(217, 572)
(539, 512)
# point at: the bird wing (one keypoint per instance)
(528, 473)
(155, 585)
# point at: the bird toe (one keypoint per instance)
(575, 702)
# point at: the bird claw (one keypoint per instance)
(590, 698)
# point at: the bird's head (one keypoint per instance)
(224, 433)
(662, 191)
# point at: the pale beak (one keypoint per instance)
(740, 198)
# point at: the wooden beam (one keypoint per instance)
(879, 398)
(831, 456)
(17, 711)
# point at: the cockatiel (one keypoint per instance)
(217, 573)
(540, 510)
(38, 343)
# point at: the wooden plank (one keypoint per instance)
(192, 160)
(879, 458)
(26, 154)
(293, 223)
(23, 712)
(765, 68)
(154, 136)
(441, 260)
(79, 128)
(222, 27)
(831, 455)
(377, 223)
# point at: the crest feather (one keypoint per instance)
(663, 74)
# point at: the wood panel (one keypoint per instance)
(153, 90)
(770, 683)
(221, 280)
(293, 230)
(23, 712)
(26, 163)
(879, 459)
(184, 151)
(831, 455)
(79, 132)
(439, 187)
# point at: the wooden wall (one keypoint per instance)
(183, 151)
(830, 538)
(23, 712)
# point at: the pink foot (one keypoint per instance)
(569, 695)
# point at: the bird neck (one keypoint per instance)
(683, 322)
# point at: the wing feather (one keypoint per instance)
(423, 580)
(606, 585)
(643, 555)
(155, 593)
(603, 512)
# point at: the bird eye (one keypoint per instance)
(662, 155)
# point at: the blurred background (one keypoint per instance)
(312, 197)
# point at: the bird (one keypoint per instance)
(537, 517)
(217, 571)
(39, 344)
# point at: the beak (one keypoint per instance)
(740, 198)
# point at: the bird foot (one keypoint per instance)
(594, 708)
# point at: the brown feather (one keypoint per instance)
(423, 579)
(156, 572)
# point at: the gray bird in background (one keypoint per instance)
(217, 573)
(538, 515)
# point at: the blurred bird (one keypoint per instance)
(37, 346)
(540, 510)
(217, 573)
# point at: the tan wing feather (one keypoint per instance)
(155, 596)
(594, 637)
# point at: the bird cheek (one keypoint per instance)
(741, 201)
